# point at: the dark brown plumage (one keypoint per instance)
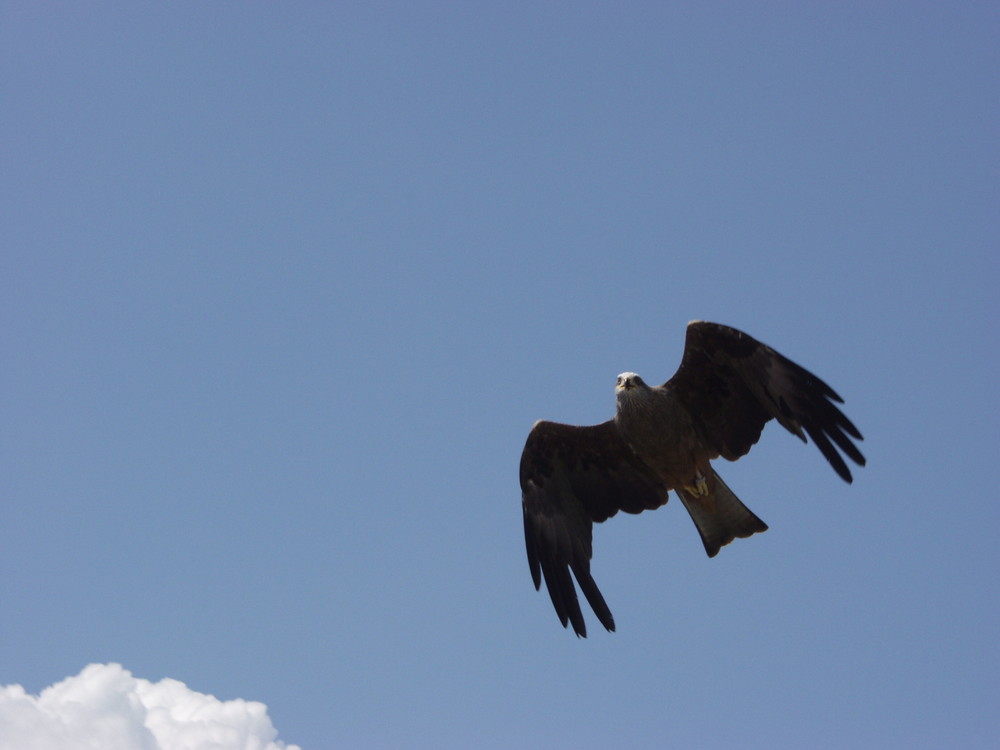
(663, 438)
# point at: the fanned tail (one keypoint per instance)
(720, 517)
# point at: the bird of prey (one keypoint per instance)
(663, 438)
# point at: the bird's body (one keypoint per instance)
(664, 438)
(648, 418)
(651, 418)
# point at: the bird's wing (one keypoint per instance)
(572, 477)
(733, 385)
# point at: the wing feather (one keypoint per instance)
(572, 477)
(733, 385)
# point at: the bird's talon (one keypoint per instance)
(701, 485)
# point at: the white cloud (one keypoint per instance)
(106, 708)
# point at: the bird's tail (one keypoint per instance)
(719, 515)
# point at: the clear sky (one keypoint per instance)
(284, 286)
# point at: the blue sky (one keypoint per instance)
(284, 287)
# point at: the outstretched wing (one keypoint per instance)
(572, 477)
(733, 385)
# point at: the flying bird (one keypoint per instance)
(664, 438)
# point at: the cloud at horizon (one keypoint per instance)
(106, 707)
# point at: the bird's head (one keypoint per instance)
(627, 382)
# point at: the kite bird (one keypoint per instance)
(663, 438)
